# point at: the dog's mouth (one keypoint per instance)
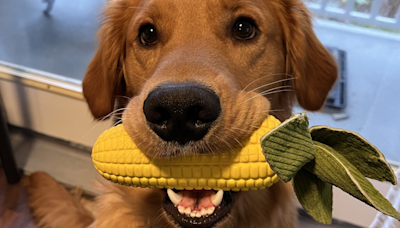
(198, 208)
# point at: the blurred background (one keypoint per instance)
(45, 47)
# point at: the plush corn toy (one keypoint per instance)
(313, 159)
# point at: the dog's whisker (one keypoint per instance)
(138, 76)
(285, 90)
(118, 122)
(272, 83)
(127, 7)
(273, 110)
(268, 90)
(233, 130)
(270, 75)
(230, 220)
(267, 93)
(111, 113)
(277, 88)
(129, 98)
(229, 145)
(160, 215)
(102, 119)
(254, 126)
(277, 110)
(208, 147)
(241, 129)
(238, 142)
(119, 113)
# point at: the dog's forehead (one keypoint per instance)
(193, 11)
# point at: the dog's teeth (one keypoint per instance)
(203, 211)
(193, 214)
(210, 210)
(174, 197)
(198, 214)
(188, 211)
(181, 209)
(217, 198)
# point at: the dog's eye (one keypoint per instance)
(244, 29)
(148, 35)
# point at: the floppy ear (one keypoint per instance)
(104, 75)
(312, 66)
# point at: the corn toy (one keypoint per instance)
(314, 159)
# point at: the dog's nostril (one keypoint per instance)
(181, 112)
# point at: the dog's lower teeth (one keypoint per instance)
(210, 210)
(203, 212)
(181, 209)
(176, 199)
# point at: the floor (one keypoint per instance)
(61, 42)
(69, 165)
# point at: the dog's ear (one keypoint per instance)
(307, 60)
(104, 76)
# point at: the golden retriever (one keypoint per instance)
(199, 76)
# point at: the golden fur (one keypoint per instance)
(196, 45)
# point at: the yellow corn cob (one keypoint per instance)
(118, 159)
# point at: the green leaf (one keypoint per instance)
(362, 154)
(314, 195)
(288, 147)
(332, 167)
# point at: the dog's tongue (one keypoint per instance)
(196, 200)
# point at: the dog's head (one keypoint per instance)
(199, 76)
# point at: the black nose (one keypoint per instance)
(181, 112)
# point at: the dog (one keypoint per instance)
(199, 76)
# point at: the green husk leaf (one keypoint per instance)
(332, 167)
(288, 147)
(362, 154)
(314, 195)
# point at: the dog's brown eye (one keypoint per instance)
(148, 35)
(244, 29)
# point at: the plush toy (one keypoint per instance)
(313, 159)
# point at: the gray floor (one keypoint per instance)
(68, 164)
(61, 42)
